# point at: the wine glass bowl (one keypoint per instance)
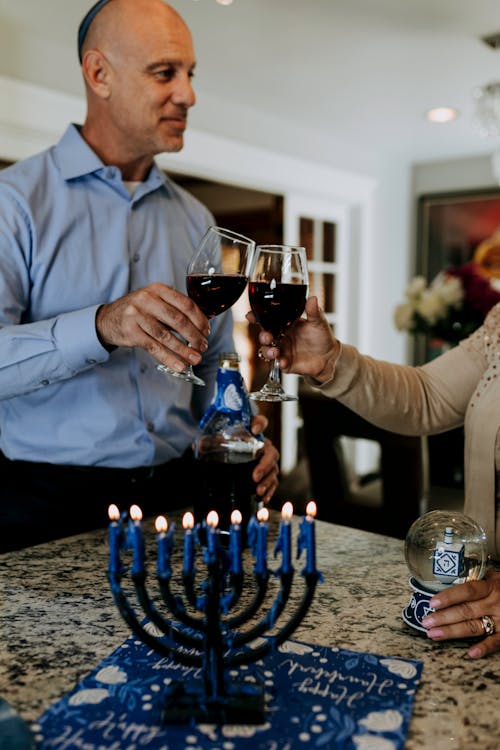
(216, 278)
(215, 292)
(277, 292)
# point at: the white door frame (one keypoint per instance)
(299, 205)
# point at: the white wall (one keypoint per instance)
(459, 174)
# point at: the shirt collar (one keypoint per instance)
(76, 159)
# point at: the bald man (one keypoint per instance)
(94, 244)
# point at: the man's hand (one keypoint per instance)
(149, 318)
(266, 473)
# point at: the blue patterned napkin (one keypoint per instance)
(317, 697)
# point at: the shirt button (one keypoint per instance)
(110, 173)
(144, 368)
(136, 258)
(150, 426)
(90, 361)
(45, 382)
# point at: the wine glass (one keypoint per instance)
(216, 277)
(277, 292)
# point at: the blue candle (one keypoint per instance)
(189, 542)
(284, 543)
(115, 539)
(164, 546)
(212, 535)
(261, 552)
(135, 539)
(235, 565)
(307, 538)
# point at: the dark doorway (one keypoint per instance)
(258, 215)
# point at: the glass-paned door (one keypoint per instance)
(322, 228)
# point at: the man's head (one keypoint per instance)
(137, 61)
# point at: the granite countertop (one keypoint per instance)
(58, 620)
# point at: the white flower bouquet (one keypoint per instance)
(458, 299)
(430, 308)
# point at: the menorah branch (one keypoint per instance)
(268, 620)
(180, 637)
(249, 611)
(128, 614)
(246, 657)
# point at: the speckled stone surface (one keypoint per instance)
(58, 620)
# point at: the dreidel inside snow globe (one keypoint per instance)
(442, 548)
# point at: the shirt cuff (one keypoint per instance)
(76, 338)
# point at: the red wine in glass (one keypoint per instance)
(277, 292)
(216, 278)
(277, 306)
(216, 292)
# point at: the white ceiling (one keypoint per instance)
(355, 71)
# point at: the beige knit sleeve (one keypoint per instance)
(405, 399)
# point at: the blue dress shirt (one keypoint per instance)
(72, 238)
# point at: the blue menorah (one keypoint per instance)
(204, 628)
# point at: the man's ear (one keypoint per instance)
(97, 73)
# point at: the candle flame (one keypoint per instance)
(113, 512)
(263, 515)
(287, 511)
(188, 520)
(311, 509)
(213, 519)
(236, 518)
(161, 524)
(135, 513)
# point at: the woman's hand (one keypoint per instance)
(265, 474)
(459, 613)
(308, 347)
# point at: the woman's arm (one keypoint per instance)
(405, 399)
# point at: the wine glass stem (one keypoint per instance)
(274, 377)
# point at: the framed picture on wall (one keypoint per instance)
(452, 225)
(453, 230)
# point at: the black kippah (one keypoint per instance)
(85, 24)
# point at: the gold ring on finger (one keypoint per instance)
(488, 624)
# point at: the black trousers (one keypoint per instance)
(40, 501)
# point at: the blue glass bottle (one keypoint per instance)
(226, 450)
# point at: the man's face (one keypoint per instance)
(151, 92)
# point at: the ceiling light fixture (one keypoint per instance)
(442, 114)
(487, 115)
(492, 40)
(487, 118)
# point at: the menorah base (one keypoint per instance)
(186, 702)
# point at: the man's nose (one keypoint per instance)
(184, 92)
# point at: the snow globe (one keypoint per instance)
(442, 548)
